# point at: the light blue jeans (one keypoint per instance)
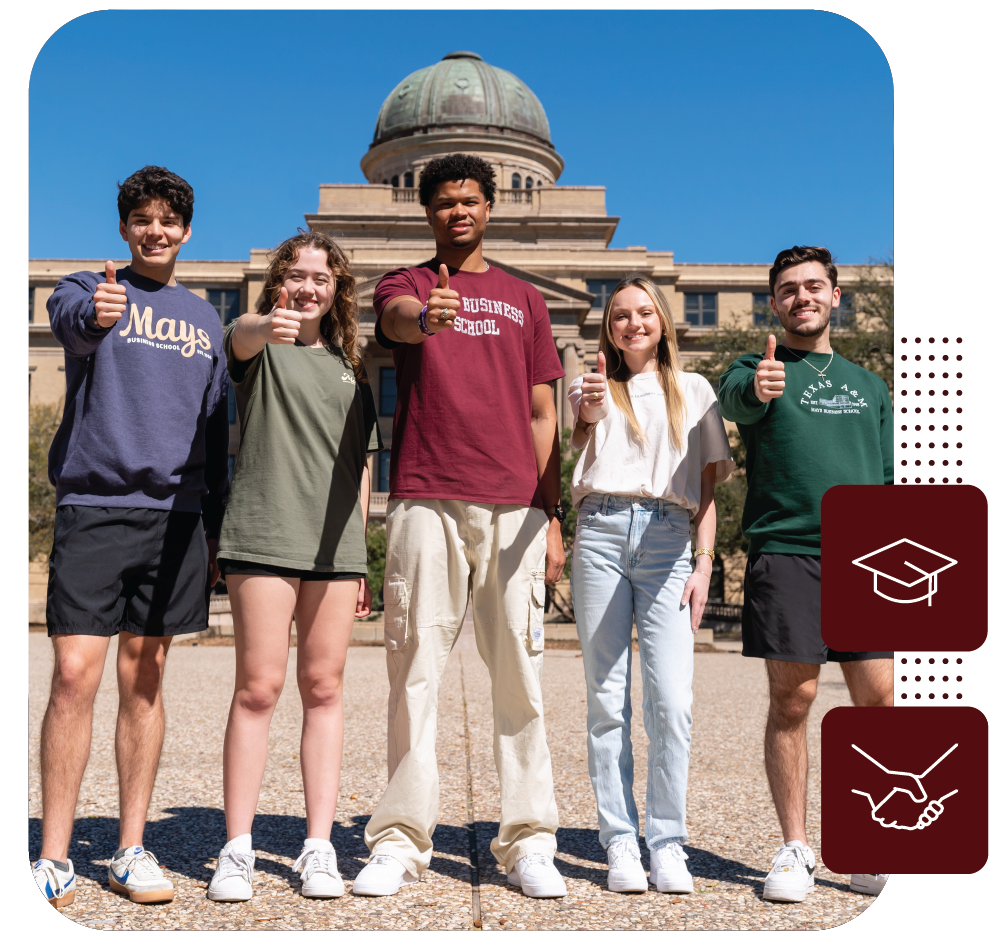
(632, 556)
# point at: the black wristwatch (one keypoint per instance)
(558, 512)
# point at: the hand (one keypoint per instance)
(594, 394)
(364, 600)
(443, 304)
(769, 379)
(109, 298)
(556, 559)
(281, 325)
(697, 592)
(214, 571)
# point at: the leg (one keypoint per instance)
(870, 681)
(325, 612)
(792, 690)
(262, 607)
(141, 725)
(65, 735)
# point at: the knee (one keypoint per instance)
(75, 679)
(320, 690)
(259, 695)
(792, 707)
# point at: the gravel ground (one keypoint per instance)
(732, 825)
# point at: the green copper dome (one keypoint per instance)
(462, 90)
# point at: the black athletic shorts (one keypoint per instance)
(245, 568)
(140, 570)
(781, 618)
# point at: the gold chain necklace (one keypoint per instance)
(822, 373)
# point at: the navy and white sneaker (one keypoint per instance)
(791, 877)
(58, 885)
(135, 873)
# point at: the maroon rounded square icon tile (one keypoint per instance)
(903, 566)
(905, 789)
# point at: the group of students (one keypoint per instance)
(146, 522)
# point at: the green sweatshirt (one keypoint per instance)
(821, 432)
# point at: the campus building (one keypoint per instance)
(555, 237)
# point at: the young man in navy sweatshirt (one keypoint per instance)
(140, 468)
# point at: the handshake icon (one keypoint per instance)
(915, 812)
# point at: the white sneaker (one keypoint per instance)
(232, 880)
(626, 872)
(538, 877)
(135, 873)
(382, 876)
(668, 871)
(870, 883)
(791, 876)
(57, 886)
(320, 877)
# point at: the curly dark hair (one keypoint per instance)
(801, 255)
(156, 184)
(340, 326)
(456, 166)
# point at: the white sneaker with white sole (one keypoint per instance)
(320, 877)
(791, 877)
(626, 873)
(58, 886)
(382, 876)
(668, 871)
(871, 884)
(538, 878)
(232, 880)
(135, 873)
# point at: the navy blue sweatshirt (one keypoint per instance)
(146, 417)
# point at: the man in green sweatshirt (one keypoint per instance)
(810, 420)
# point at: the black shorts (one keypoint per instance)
(781, 618)
(246, 568)
(140, 570)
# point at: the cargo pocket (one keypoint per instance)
(537, 600)
(395, 613)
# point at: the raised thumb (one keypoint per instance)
(601, 363)
(109, 272)
(769, 354)
(282, 302)
(444, 277)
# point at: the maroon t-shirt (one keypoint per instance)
(462, 427)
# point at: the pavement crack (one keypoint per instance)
(475, 870)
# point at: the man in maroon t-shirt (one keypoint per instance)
(474, 513)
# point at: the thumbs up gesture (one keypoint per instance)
(281, 325)
(109, 299)
(443, 304)
(594, 394)
(769, 379)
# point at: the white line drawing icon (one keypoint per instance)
(934, 808)
(909, 564)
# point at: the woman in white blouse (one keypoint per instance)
(653, 447)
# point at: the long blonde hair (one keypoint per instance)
(668, 365)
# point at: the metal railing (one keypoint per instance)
(516, 196)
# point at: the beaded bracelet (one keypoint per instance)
(422, 327)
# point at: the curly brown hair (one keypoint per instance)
(340, 326)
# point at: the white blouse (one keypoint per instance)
(613, 462)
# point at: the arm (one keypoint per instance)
(82, 310)
(737, 400)
(887, 437)
(399, 318)
(589, 401)
(215, 466)
(364, 599)
(697, 584)
(252, 331)
(544, 430)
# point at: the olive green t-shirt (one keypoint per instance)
(306, 428)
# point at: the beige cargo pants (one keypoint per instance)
(439, 552)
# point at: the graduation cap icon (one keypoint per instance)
(901, 568)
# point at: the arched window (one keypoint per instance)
(409, 179)
(385, 182)
(516, 181)
(529, 182)
(394, 181)
(539, 183)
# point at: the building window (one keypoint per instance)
(388, 392)
(601, 289)
(843, 315)
(384, 471)
(394, 181)
(226, 303)
(233, 412)
(31, 304)
(539, 182)
(385, 183)
(516, 181)
(529, 182)
(409, 180)
(762, 308)
(700, 309)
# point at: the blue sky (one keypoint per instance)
(723, 136)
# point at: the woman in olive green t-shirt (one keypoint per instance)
(293, 541)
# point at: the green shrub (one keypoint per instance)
(43, 421)
(376, 558)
